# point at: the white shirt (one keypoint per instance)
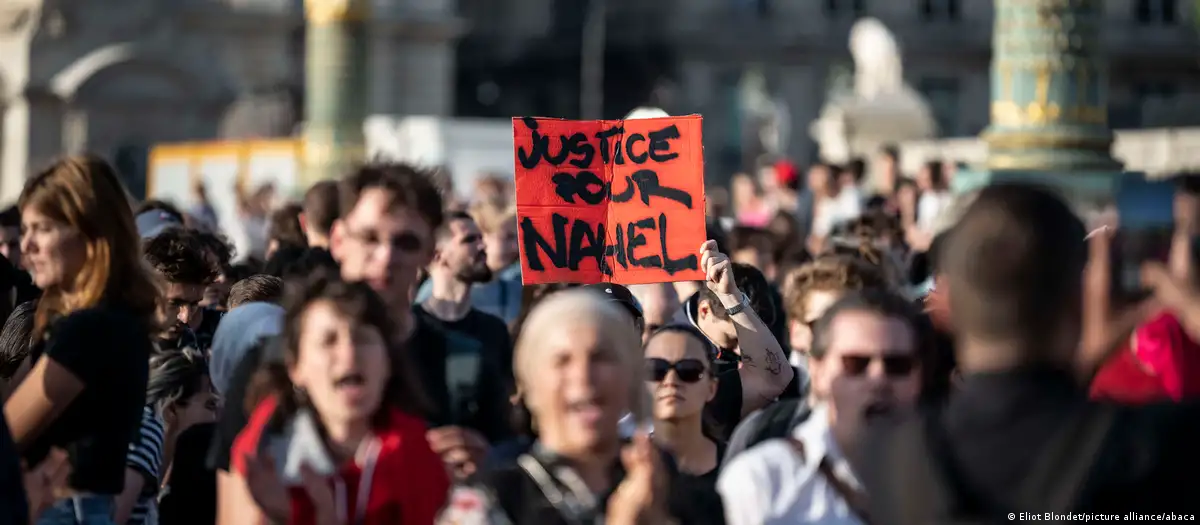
(929, 208)
(847, 206)
(770, 484)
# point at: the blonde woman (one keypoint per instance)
(579, 370)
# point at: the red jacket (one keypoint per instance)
(409, 485)
(1159, 363)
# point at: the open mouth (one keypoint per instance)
(350, 381)
(589, 410)
(877, 409)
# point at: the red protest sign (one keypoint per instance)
(617, 201)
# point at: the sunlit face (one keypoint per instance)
(181, 308)
(462, 253)
(815, 304)
(501, 245)
(581, 388)
(819, 180)
(870, 367)
(688, 383)
(382, 245)
(54, 252)
(10, 245)
(342, 365)
(200, 408)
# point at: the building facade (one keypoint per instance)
(118, 76)
(695, 56)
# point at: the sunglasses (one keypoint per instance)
(687, 370)
(893, 365)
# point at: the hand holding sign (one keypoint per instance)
(609, 201)
(718, 271)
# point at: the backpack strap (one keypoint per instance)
(464, 360)
(854, 498)
(776, 421)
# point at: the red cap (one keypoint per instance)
(785, 172)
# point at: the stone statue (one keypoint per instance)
(881, 110)
(877, 68)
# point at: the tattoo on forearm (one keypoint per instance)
(774, 364)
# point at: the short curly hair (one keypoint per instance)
(183, 256)
(827, 273)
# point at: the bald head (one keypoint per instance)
(659, 304)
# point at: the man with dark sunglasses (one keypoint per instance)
(864, 364)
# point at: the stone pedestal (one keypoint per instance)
(336, 84)
(1049, 110)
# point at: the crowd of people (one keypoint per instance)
(857, 354)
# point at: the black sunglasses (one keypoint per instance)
(687, 370)
(893, 365)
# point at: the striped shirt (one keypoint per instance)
(145, 456)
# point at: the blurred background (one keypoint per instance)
(168, 88)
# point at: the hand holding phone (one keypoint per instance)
(1145, 210)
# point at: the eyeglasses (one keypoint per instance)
(687, 370)
(893, 365)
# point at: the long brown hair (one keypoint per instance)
(85, 193)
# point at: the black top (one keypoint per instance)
(489, 407)
(700, 493)
(996, 427)
(191, 496)
(233, 416)
(725, 409)
(108, 349)
(14, 509)
(483, 327)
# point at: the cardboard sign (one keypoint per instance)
(618, 201)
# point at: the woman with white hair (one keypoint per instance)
(579, 371)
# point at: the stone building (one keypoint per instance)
(694, 56)
(117, 76)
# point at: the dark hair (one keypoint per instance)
(160, 205)
(285, 257)
(443, 233)
(239, 271)
(16, 339)
(219, 248)
(891, 151)
(321, 206)
(407, 186)
(10, 217)
(284, 226)
(175, 376)
(181, 255)
(937, 173)
(717, 233)
(874, 300)
(754, 284)
(751, 238)
(256, 288)
(359, 302)
(857, 167)
(1014, 265)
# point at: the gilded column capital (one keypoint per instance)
(334, 11)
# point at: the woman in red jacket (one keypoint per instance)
(336, 442)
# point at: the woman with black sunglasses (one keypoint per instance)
(681, 380)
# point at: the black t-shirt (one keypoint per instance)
(14, 509)
(700, 493)
(725, 409)
(108, 349)
(486, 408)
(483, 327)
(191, 495)
(233, 416)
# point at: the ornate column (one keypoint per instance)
(1049, 109)
(336, 84)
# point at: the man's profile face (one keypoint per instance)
(723, 332)
(10, 245)
(181, 308)
(382, 245)
(870, 367)
(463, 253)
